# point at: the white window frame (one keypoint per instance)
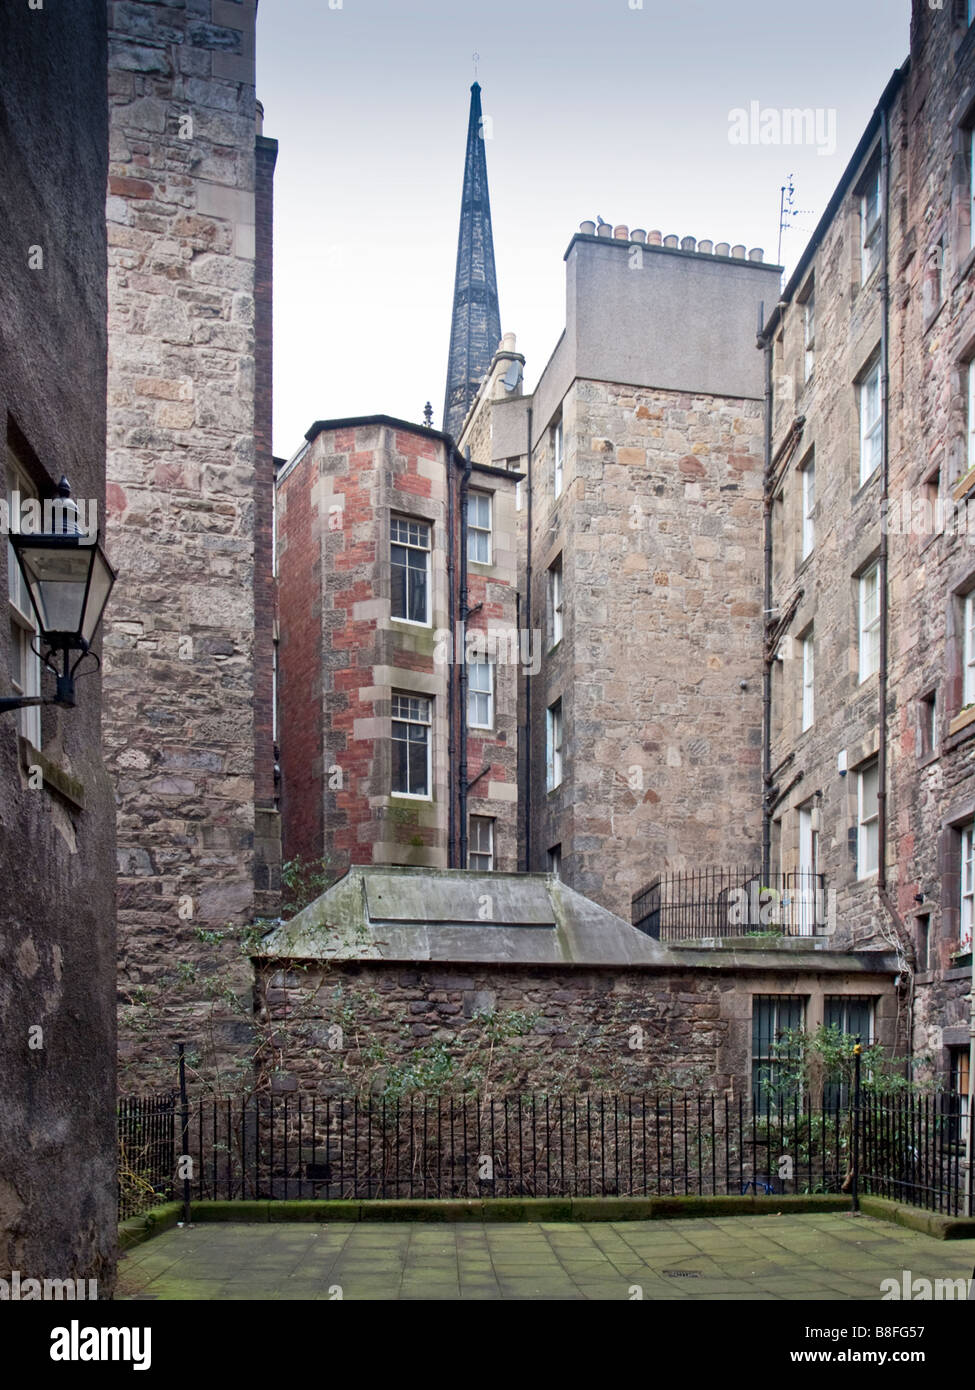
(809, 334)
(868, 821)
(414, 717)
(25, 673)
(869, 622)
(808, 508)
(479, 537)
(484, 828)
(968, 649)
(871, 225)
(555, 603)
(554, 732)
(808, 872)
(966, 887)
(871, 421)
(558, 458)
(423, 528)
(808, 681)
(480, 694)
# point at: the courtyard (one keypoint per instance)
(806, 1256)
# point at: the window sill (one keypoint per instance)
(865, 483)
(959, 971)
(409, 796)
(55, 778)
(411, 622)
(964, 485)
(964, 268)
(933, 317)
(962, 720)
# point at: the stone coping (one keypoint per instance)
(551, 1209)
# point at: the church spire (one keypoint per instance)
(475, 328)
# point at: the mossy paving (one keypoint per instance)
(761, 1257)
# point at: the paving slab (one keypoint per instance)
(806, 1257)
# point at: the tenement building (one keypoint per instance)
(190, 487)
(642, 527)
(870, 639)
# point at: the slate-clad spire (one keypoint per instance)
(475, 329)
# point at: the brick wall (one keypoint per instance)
(342, 656)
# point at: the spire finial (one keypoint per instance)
(475, 59)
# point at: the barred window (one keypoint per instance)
(773, 1016)
(409, 555)
(411, 745)
(853, 1016)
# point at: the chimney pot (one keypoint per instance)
(621, 233)
(738, 252)
(688, 244)
(604, 229)
(705, 247)
(722, 249)
(638, 234)
(508, 342)
(756, 254)
(671, 241)
(587, 228)
(259, 117)
(654, 239)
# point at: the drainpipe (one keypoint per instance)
(451, 688)
(900, 927)
(885, 484)
(529, 760)
(462, 712)
(970, 1143)
(766, 345)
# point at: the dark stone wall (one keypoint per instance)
(57, 909)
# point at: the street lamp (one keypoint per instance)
(69, 580)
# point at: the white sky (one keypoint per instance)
(595, 108)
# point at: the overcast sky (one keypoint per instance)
(596, 107)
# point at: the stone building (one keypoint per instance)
(642, 443)
(391, 961)
(190, 486)
(870, 772)
(57, 821)
(398, 606)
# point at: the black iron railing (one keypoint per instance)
(295, 1146)
(720, 902)
(146, 1151)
